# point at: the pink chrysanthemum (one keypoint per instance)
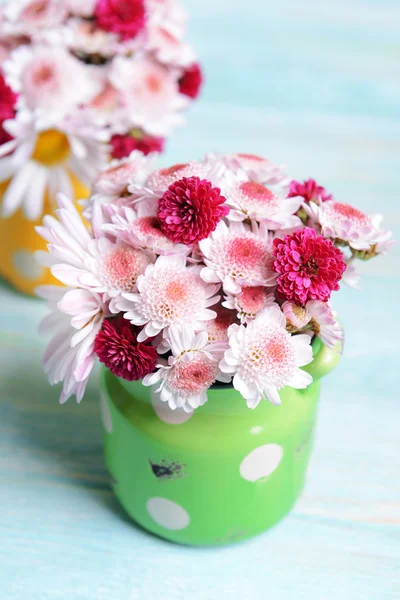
(117, 347)
(217, 329)
(309, 190)
(169, 293)
(191, 80)
(249, 302)
(264, 358)
(349, 224)
(123, 145)
(190, 210)
(236, 256)
(123, 17)
(309, 266)
(252, 200)
(192, 368)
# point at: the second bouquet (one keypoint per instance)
(80, 82)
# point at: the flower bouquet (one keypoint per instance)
(81, 81)
(204, 290)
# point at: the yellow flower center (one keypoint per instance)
(52, 147)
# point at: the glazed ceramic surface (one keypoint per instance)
(220, 474)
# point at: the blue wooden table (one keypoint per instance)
(315, 85)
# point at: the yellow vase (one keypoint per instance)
(18, 238)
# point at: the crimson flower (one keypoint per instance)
(7, 102)
(309, 266)
(124, 17)
(191, 80)
(123, 145)
(117, 347)
(190, 210)
(309, 190)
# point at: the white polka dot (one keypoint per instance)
(166, 414)
(26, 265)
(105, 413)
(167, 513)
(261, 462)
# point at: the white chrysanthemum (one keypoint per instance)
(79, 260)
(42, 75)
(84, 36)
(42, 161)
(81, 8)
(264, 357)
(258, 169)
(344, 222)
(324, 323)
(112, 187)
(150, 91)
(297, 317)
(170, 293)
(211, 169)
(250, 301)
(316, 317)
(191, 370)
(237, 256)
(140, 227)
(29, 17)
(75, 319)
(164, 39)
(252, 200)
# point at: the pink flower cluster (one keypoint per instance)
(97, 71)
(202, 272)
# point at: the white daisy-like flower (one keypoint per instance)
(151, 93)
(75, 319)
(102, 266)
(42, 75)
(264, 357)
(258, 169)
(250, 301)
(346, 223)
(237, 256)
(41, 163)
(169, 293)
(252, 200)
(140, 227)
(191, 370)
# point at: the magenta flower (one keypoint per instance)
(117, 347)
(123, 17)
(123, 145)
(191, 81)
(190, 210)
(309, 190)
(7, 102)
(309, 266)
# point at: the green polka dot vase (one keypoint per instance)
(218, 475)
